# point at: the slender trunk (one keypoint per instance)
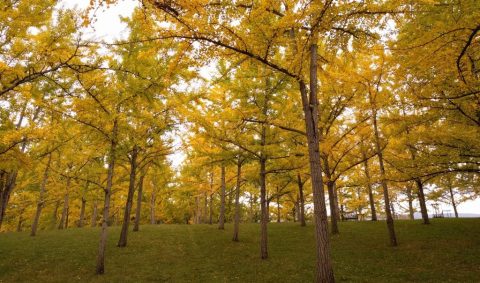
(452, 198)
(122, 242)
(371, 200)
(41, 199)
(236, 224)
(63, 220)
(55, 214)
(20, 222)
(221, 219)
(386, 197)
(205, 207)
(82, 212)
(8, 187)
(196, 219)
(411, 212)
(278, 206)
(138, 211)
(210, 218)
(94, 214)
(153, 200)
(100, 266)
(421, 200)
(210, 204)
(301, 201)
(331, 200)
(323, 266)
(263, 211)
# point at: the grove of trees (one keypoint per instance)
(311, 111)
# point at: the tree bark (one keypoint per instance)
(386, 197)
(371, 200)
(236, 223)
(64, 219)
(100, 266)
(411, 212)
(82, 213)
(210, 203)
(41, 199)
(278, 206)
(421, 200)
(122, 242)
(221, 219)
(94, 214)
(138, 211)
(153, 200)
(301, 214)
(323, 266)
(263, 211)
(452, 197)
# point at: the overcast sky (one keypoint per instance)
(109, 27)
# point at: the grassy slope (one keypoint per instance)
(446, 251)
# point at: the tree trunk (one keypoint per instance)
(122, 242)
(138, 211)
(278, 206)
(94, 214)
(20, 222)
(153, 200)
(100, 266)
(41, 199)
(411, 212)
(63, 220)
(82, 212)
(323, 266)
(371, 200)
(452, 197)
(421, 200)
(7, 189)
(236, 223)
(263, 210)
(210, 204)
(331, 199)
(221, 219)
(386, 197)
(301, 213)
(205, 207)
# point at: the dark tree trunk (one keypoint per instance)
(278, 206)
(386, 197)
(301, 213)
(41, 199)
(82, 213)
(20, 222)
(371, 200)
(64, 219)
(55, 213)
(6, 191)
(452, 198)
(122, 242)
(263, 210)
(221, 219)
(153, 200)
(138, 211)
(210, 204)
(205, 207)
(94, 214)
(236, 223)
(411, 212)
(100, 266)
(421, 200)
(323, 266)
(331, 199)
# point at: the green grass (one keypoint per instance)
(448, 250)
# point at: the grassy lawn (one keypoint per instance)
(448, 250)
